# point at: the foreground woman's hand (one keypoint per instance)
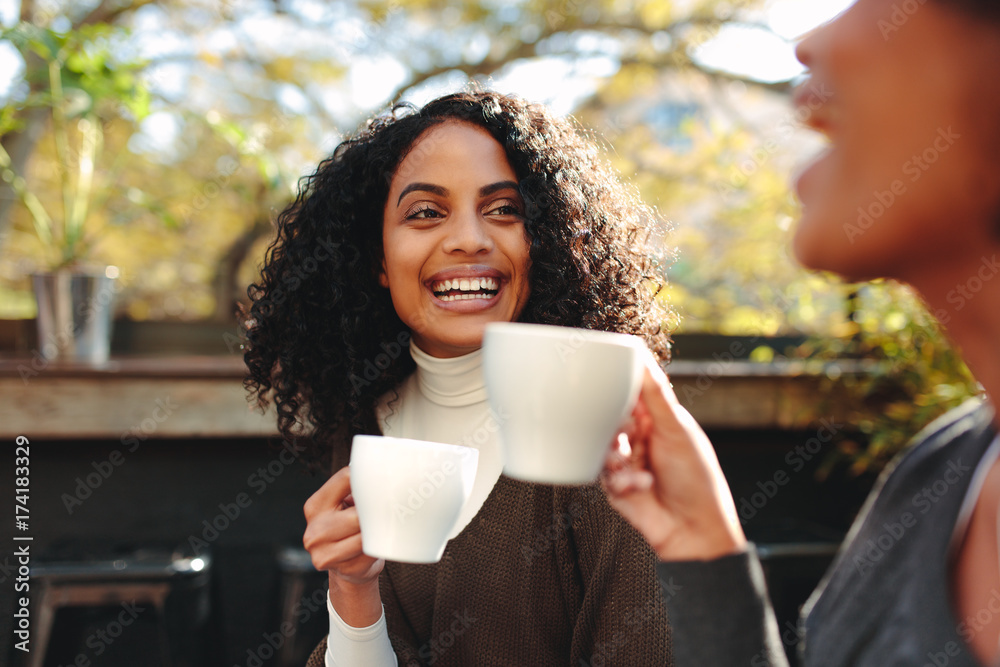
(670, 486)
(333, 539)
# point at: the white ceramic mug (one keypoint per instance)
(408, 494)
(560, 394)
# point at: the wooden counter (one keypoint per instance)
(203, 396)
(145, 397)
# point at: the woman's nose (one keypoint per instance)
(468, 233)
(811, 44)
(804, 50)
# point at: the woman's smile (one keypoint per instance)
(468, 288)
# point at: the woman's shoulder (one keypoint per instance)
(965, 431)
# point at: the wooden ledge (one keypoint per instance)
(188, 366)
(203, 397)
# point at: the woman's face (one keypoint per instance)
(455, 248)
(909, 95)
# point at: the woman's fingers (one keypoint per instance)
(333, 532)
(333, 524)
(621, 474)
(670, 486)
(337, 555)
(627, 480)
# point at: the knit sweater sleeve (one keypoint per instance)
(611, 572)
(720, 612)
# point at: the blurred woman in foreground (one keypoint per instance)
(909, 95)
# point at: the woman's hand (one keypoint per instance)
(333, 539)
(670, 486)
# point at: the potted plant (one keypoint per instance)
(76, 85)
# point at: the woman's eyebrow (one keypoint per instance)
(494, 187)
(425, 187)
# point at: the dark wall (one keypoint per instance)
(160, 497)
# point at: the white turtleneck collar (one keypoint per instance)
(453, 382)
(444, 400)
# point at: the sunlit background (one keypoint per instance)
(246, 96)
(157, 140)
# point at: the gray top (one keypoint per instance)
(885, 599)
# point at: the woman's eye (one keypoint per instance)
(505, 208)
(423, 214)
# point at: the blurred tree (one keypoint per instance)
(249, 94)
(275, 83)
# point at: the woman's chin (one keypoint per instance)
(815, 245)
(817, 250)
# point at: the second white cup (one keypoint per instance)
(560, 395)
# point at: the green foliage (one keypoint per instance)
(910, 374)
(79, 80)
(90, 62)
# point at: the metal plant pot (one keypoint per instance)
(74, 314)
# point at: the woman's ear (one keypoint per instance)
(383, 279)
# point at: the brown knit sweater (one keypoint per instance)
(541, 576)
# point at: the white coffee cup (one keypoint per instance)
(408, 494)
(560, 395)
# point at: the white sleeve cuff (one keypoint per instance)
(348, 646)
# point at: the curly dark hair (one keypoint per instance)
(989, 9)
(324, 340)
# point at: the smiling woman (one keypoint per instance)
(476, 208)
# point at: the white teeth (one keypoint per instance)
(466, 297)
(467, 285)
